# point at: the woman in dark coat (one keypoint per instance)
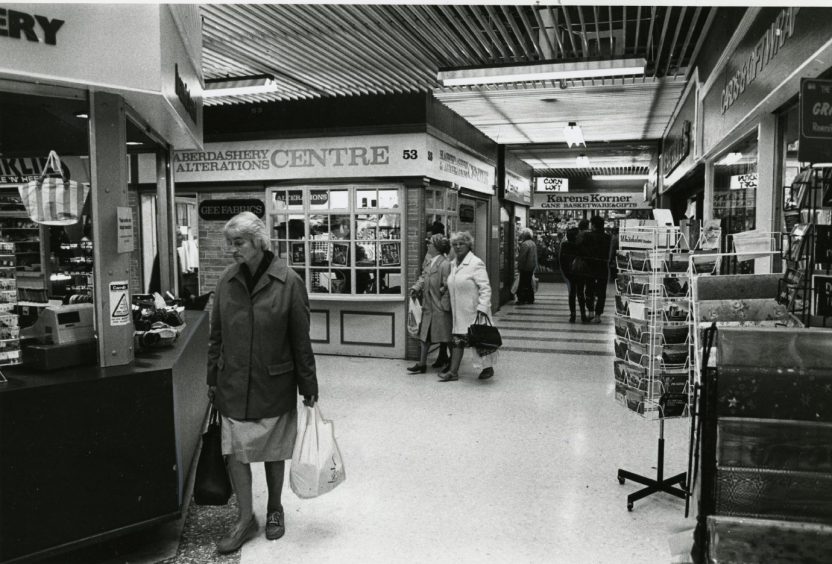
(259, 358)
(436, 301)
(574, 282)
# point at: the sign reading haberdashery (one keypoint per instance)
(589, 201)
(408, 154)
(815, 121)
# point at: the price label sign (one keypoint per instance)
(119, 303)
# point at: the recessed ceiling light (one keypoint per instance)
(619, 177)
(82, 115)
(134, 143)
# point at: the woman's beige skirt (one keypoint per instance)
(260, 440)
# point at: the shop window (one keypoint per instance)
(441, 207)
(340, 240)
(735, 192)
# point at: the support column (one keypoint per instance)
(165, 223)
(708, 197)
(766, 183)
(108, 192)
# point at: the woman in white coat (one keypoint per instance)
(470, 293)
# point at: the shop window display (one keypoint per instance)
(441, 210)
(341, 240)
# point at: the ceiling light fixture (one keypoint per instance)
(82, 115)
(541, 71)
(240, 86)
(134, 143)
(730, 159)
(582, 161)
(573, 134)
(620, 177)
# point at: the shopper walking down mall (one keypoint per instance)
(432, 290)
(575, 283)
(470, 293)
(527, 265)
(259, 358)
(594, 247)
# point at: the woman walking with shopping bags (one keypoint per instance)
(259, 358)
(436, 301)
(470, 293)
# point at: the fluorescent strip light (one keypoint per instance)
(573, 134)
(582, 161)
(239, 86)
(620, 177)
(542, 71)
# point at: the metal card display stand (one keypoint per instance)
(653, 375)
(9, 328)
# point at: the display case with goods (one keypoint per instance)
(9, 330)
(652, 337)
(16, 227)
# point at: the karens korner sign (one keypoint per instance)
(589, 201)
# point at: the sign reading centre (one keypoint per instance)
(589, 201)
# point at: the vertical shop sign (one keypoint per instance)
(125, 230)
(119, 303)
(815, 121)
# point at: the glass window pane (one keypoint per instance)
(365, 253)
(300, 272)
(429, 201)
(280, 224)
(297, 227)
(365, 199)
(281, 249)
(340, 226)
(389, 254)
(298, 253)
(365, 281)
(390, 281)
(366, 226)
(318, 226)
(292, 199)
(319, 253)
(320, 281)
(279, 202)
(318, 199)
(452, 201)
(388, 199)
(339, 199)
(340, 254)
(389, 226)
(339, 281)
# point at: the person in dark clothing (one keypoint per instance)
(574, 283)
(526, 264)
(594, 247)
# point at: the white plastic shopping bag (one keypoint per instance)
(317, 466)
(414, 317)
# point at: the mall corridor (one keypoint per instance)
(520, 468)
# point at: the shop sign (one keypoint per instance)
(823, 295)
(20, 170)
(223, 210)
(125, 230)
(676, 149)
(815, 121)
(517, 189)
(764, 51)
(551, 184)
(743, 181)
(453, 165)
(34, 28)
(589, 201)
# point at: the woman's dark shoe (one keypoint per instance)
(418, 369)
(486, 373)
(448, 377)
(572, 318)
(237, 538)
(275, 525)
(440, 362)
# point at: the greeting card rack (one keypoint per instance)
(9, 328)
(652, 339)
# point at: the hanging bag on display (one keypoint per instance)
(414, 317)
(53, 199)
(317, 466)
(211, 484)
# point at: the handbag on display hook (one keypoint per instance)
(53, 199)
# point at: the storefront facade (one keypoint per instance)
(349, 214)
(516, 197)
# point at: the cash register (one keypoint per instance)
(62, 336)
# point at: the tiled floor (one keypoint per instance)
(520, 468)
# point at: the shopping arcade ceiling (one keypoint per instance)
(317, 51)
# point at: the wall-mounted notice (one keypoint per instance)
(119, 303)
(125, 230)
(550, 184)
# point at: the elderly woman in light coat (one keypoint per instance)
(259, 359)
(470, 293)
(436, 301)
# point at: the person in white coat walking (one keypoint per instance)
(470, 293)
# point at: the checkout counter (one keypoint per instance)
(88, 453)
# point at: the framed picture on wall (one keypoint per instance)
(298, 255)
(340, 254)
(390, 254)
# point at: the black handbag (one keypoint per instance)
(211, 484)
(483, 336)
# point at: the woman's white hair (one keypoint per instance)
(526, 233)
(463, 236)
(246, 224)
